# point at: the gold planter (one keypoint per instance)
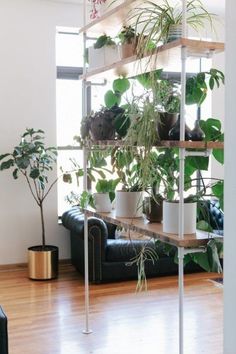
(43, 262)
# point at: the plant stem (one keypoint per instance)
(42, 222)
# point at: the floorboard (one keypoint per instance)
(48, 317)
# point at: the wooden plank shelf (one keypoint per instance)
(155, 230)
(201, 145)
(111, 20)
(167, 56)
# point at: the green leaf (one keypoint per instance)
(6, 164)
(34, 173)
(121, 85)
(204, 226)
(122, 124)
(111, 99)
(218, 155)
(3, 156)
(202, 259)
(67, 178)
(15, 173)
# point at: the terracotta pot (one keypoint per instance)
(128, 49)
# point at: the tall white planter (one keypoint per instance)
(102, 202)
(129, 204)
(171, 217)
(102, 56)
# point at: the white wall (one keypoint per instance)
(27, 99)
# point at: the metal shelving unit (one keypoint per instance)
(179, 50)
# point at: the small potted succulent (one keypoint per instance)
(34, 161)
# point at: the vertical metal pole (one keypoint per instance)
(181, 180)
(85, 156)
(86, 268)
(181, 299)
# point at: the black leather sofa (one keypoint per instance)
(109, 257)
(3, 333)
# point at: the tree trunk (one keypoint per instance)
(42, 224)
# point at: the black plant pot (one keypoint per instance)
(197, 134)
(174, 133)
(102, 126)
(153, 208)
(167, 121)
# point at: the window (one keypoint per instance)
(69, 60)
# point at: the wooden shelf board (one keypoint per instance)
(155, 230)
(202, 145)
(111, 20)
(167, 56)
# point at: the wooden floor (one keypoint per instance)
(48, 317)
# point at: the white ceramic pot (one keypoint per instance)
(102, 56)
(171, 217)
(102, 202)
(129, 204)
(112, 54)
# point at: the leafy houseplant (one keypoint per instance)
(128, 41)
(103, 52)
(110, 121)
(157, 20)
(33, 160)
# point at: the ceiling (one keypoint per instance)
(216, 6)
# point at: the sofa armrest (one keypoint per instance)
(3, 333)
(73, 220)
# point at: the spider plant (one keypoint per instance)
(155, 21)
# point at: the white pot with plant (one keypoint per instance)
(105, 195)
(103, 52)
(34, 161)
(129, 199)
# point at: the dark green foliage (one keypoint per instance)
(103, 41)
(33, 160)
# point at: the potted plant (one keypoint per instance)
(103, 52)
(125, 163)
(110, 121)
(165, 20)
(128, 42)
(105, 194)
(33, 160)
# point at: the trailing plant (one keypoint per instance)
(34, 161)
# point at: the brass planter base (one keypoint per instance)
(43, 262)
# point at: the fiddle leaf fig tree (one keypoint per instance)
(34, 161)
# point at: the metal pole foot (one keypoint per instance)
(87, 331)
